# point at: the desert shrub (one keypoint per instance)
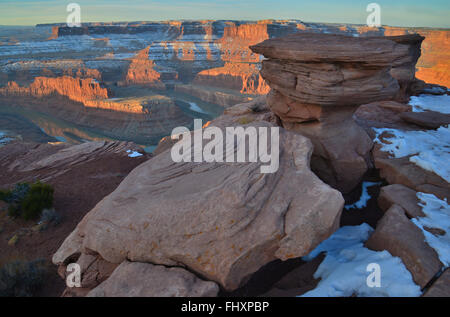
(28, 200)
(50, 216)
(4, 194)
(39, 197)
(14, 210)
(15, 195)
(22, 278)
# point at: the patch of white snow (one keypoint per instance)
(345, 271)
(428, 149)
(437, 215)
(431, 102)
(365, 197)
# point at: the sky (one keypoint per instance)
(412, 13)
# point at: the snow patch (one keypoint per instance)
(343, 272)
(133, 153)
(431, 102)
(437, 215)
(365, 197)
(428, 149)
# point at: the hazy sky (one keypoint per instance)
(431, 13)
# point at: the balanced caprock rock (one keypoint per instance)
(317, 82)
(222, 221)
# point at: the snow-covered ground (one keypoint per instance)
(437, 215)
(428, 149)
(365, 197)
(431, 102)
(346, 269)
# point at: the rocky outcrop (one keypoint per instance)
(318, 80)
(133, 279)
(402, 196)
(242, 77)
(85, 91)
(398, 235)
(142, 71)
(58, 159)
(404, 69)
(222, 221)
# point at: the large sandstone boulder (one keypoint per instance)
(402, 196)
(317, 82)
(134, 279)
(223, 221)
(398, 235)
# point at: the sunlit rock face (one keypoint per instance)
(141, 71)
(82, 90)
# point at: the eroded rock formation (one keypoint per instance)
(142, 71)
(317, 82)
(229, 224)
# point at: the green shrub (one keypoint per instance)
(15, 195)
(39, 197)
(20, 278)
(14, 210)
(28, 200)
(4, 194)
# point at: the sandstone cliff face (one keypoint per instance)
(141, 71)
(77, 89)
(317, 81)
(242, 77)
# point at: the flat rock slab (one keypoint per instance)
(426, 119)
(400, 195)
(400, 237)
(314, 47)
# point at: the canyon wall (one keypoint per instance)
(119, 67)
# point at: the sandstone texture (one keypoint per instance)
(318, 80)
(56, 160)
(440, 287)
(398, 235)
(402, 196)
(222, 221)
(133, 279)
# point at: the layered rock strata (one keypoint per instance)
(317, 82)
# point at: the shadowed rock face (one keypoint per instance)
(317, 82)
(132, 280)
(223, 221)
